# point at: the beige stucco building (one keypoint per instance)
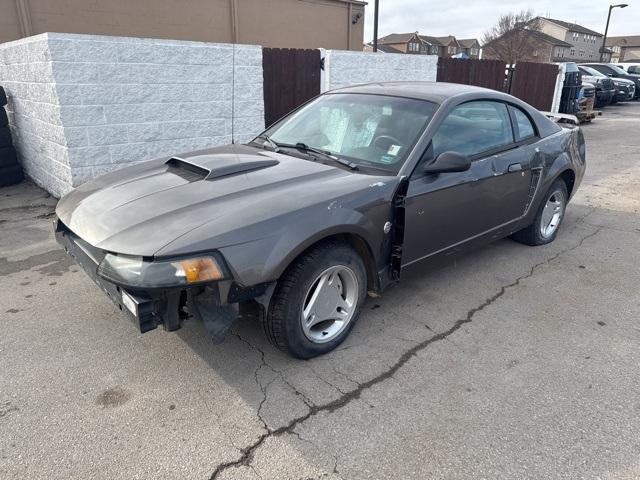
(335, 24)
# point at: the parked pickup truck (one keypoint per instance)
(605, 90)
(617, 73)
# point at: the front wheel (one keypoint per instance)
(547, 222)
(317, 301)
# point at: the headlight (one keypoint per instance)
(137, 272)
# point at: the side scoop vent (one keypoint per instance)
(192, 172)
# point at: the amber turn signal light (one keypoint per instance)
(200, 270)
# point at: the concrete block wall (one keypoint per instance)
(344, 68)
(115, 101)
(34, 115)
(84, 105)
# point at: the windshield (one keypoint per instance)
(617, 69)
(367, 130)
(592, 72)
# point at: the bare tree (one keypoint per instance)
(512, 38)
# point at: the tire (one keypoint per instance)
(335, 274)
(11, 175)
(3, 97)
(4, 121)
(5, 137)
(8, 157)
(535, 233)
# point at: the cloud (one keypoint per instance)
(467, 18)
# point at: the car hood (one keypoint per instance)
(140, 210)
(623, 80)
(593, 79)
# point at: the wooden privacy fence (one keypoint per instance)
(482, 73)
(534, 83)
(291, 77)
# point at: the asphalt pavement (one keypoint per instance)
(509, 362)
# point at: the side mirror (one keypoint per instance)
(449, 162)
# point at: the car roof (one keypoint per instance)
(597, 63)
(436, 92)
(442, 92)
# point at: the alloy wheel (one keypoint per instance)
(552, 213)
(330, 304)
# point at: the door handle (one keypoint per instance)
(514, 167)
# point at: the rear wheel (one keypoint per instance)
(547, 222)
(317, 301)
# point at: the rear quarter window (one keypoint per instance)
(524, 127)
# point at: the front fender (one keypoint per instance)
(266, 259)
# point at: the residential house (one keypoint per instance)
(404, 43)
(470, 47)
(586, 44)
(368, 47)
(538, 47)
(414, 43)
(336, 24)
(551, 40)
(624, 49)
(446, 46)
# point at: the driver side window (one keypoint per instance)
(474, 128)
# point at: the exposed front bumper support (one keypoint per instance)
(215, 304)
(207, 307)
(142, 309)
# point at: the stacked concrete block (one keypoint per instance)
(100, 103)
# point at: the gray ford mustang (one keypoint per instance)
(332, 202)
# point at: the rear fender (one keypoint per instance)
(560, 165)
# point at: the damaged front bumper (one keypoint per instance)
(216, 304)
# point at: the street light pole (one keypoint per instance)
(606, 29)
(375, 26)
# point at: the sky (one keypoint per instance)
(469, 18)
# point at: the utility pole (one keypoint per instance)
(375, 26)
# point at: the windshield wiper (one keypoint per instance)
(306, 148)
(274, 145)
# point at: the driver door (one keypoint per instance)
(445, 210)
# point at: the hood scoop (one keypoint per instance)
(193, 172)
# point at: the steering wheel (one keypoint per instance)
(388, 139)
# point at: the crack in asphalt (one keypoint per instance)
(317, 447)
(321, 378)
(615, 229)
(248, 453)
